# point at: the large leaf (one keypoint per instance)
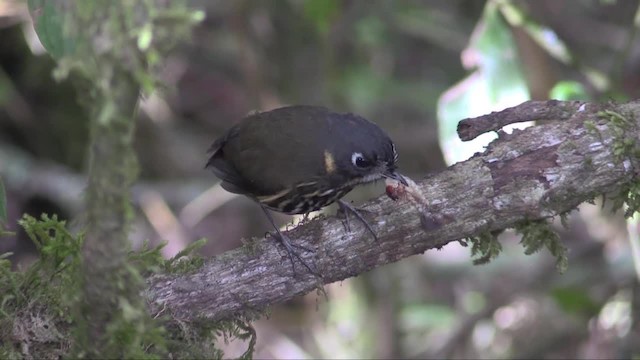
(496, 82)
(49, 21)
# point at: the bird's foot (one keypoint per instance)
(346, 207)
(288, 245)
(292, 253)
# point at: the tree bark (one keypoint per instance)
(112, 170)
(531, 174)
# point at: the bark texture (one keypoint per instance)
(531, 174)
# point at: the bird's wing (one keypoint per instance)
(232, 181)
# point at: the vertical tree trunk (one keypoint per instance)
(112, 169)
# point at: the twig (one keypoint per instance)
(469, 129)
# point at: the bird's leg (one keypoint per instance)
(305, 217)
(284, 240)
(344, 206)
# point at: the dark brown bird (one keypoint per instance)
(299, 159)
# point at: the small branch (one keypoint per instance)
(532, 174)
(469, 129)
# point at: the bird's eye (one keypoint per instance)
(359, 161)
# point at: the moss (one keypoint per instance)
(628, 198)
(115, 48)
(170, 265)
(37, 306)
(538, 234)
(592, 128)
(624, 131)
(624, 146)
(197, 339)
(150, 260)
(485, 247)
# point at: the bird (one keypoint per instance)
(301, 158)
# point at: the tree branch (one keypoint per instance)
(531, 174)
(553, 110)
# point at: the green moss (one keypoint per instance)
(592, 128)
(186, 261)
(624, 133)
(535, 235)
(150, 260)
(624, 129)
(197, 339)
(538, 234)
(484, 247)
(624, 146)
(35, 304)
(628, 198)
(38, 306)
(115, 48)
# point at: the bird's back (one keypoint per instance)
(261, 155)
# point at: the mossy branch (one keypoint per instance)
(518, 182)
(114, 48)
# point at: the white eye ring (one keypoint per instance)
(359, 161)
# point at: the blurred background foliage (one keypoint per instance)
(414, 67)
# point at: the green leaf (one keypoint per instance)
(321, 12)
(48, 20)
(3, 203)
(423, 316)
(497, 81)
(574, 300)
(568, 90)
(145, 37)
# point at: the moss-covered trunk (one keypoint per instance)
(112, 45)
(108, 282)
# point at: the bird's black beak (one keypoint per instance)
(392, 174)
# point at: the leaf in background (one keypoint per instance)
(575, 300)
(362, 87)
(321, 12)
(497, 82)
(569, 90)
(3, 203)
(423, 316)
(371, 31)
(48, 21)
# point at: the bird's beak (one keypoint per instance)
(392, 174)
